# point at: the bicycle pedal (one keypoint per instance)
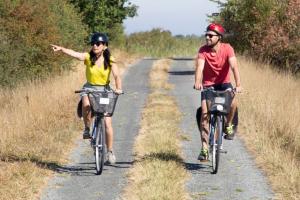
(223, 151)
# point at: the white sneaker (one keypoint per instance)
(111, 158)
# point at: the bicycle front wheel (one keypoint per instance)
(217, 144)
(100, 146)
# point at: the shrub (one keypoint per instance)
(267, 29)
(27, 30)
(160, 43)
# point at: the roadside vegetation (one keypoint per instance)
(268, 30)
(270, 124)
(29, 27)
(158, 171)
(160, 43)
(27, 30)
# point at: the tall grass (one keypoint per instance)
(270, 118)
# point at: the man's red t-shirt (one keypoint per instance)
(216, 67)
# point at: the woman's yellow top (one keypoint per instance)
(96, 75)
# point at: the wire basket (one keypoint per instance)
(218, 101)
(103, 102)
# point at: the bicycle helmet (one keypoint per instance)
(99, 37)
(217, 28)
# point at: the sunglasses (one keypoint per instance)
(97, 43)
(210, 35)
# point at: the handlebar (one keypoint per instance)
(89, 91)
(212, 89)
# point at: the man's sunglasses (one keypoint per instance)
(97, 43)
(210, 35)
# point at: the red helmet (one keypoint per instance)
(216, 28)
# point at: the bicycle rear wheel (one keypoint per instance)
(100, 146)
(217, 145)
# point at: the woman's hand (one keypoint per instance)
(56, 48)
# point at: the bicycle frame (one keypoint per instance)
(217, 110)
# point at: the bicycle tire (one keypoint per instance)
(213, 138)
(100, 146)
(219, 129)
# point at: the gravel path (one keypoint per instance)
(77, 180)
(238, 177)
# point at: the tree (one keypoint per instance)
(105, 15)
(267, 29)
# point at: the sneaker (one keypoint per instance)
(111, 158)
(229, 132)
(86, 133)
(203, 156)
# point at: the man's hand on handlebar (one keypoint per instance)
(198, 86)
(238, 89)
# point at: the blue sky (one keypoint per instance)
(178, 16)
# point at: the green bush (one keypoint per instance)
(27, 30)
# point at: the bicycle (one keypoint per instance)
(218, 104)
(103, 103)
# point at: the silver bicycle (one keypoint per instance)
(103, 104)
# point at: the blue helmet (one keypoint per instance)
(99, 37)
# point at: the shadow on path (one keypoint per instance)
(182, 73)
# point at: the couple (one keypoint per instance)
(213, 64)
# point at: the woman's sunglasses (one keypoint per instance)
(210, 35)
(97, 43)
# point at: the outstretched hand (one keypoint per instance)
(56, 48)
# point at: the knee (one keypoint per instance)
(85, 103)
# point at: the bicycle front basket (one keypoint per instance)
(103, 102)
(218, 101)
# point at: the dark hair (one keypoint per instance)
(106, 55)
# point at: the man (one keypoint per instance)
(213, 64)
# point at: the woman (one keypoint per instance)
(99, 64)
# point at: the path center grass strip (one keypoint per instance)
(158, 171)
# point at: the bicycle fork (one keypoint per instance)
(213, 131)
(94, 134)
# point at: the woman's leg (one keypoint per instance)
(109, 133)
(86, 114)
(111, 158)
(86, 111)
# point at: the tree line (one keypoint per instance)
(265, 29)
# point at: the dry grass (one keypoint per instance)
(38, 126)
(158, 172)
(270, 119)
